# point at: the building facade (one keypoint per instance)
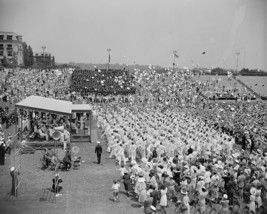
(11, 48)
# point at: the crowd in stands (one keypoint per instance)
(103, 83)
(166, 133)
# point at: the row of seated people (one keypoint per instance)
(46, 132)
(50, 159)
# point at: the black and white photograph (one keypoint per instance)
(133, 106)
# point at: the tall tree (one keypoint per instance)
(30, 54)
(25, 55)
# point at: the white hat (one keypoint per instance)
(98, 141)
(12, 168)
(184, 192)
(133, 162)
(225, 196)
(141, 180)
(153, 208)
(253, 191)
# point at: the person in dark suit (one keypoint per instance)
(56, 180)
(244, 142)
(67, 160)
(2, 151)
(98, 151)
(252, 146)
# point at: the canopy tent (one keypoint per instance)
(50, 105)
(81, 108)
(46, 105)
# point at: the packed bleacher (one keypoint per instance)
(169, 136)
(102, 82)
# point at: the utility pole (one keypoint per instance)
(43, 47)
(108, 50)
(237, 54)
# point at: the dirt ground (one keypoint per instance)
(85, 190)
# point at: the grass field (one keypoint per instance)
(258, 84)
(223, 81)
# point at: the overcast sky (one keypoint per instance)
(144, 31)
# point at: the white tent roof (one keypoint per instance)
(46, 105)
(81, 107)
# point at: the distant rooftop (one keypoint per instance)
(4, 32)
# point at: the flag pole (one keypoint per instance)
(174, 55)
(108, 50)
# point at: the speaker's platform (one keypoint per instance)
(80, 138)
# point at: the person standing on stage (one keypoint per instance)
(98, 151)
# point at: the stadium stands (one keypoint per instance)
(102, 82)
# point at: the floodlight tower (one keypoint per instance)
(237, 55)
(43, 47)
(108, 50)
(174, 56)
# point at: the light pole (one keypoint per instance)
(43, 47)
(237, 54)
(174, 56)
(108, 50)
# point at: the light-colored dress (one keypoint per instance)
(252, 205)
(185, 202)
(163, 197)
(202, 200)
(258, 198)
(225, 207)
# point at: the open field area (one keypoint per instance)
(258, 84)
(86, 190)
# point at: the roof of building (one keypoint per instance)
(3, 32)
(52, 105)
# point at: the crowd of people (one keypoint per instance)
(172, 142)
(102, 83)
(170, 154)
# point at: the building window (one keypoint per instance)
(9, 37)
(1, 46)
(10, 53)
(1, 53)
(9, 45)
(1, 37)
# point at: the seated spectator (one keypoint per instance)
(67, 160)
(46, 158)
(74, 128)
(35, 132)
(42, 133)
(55, 161)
